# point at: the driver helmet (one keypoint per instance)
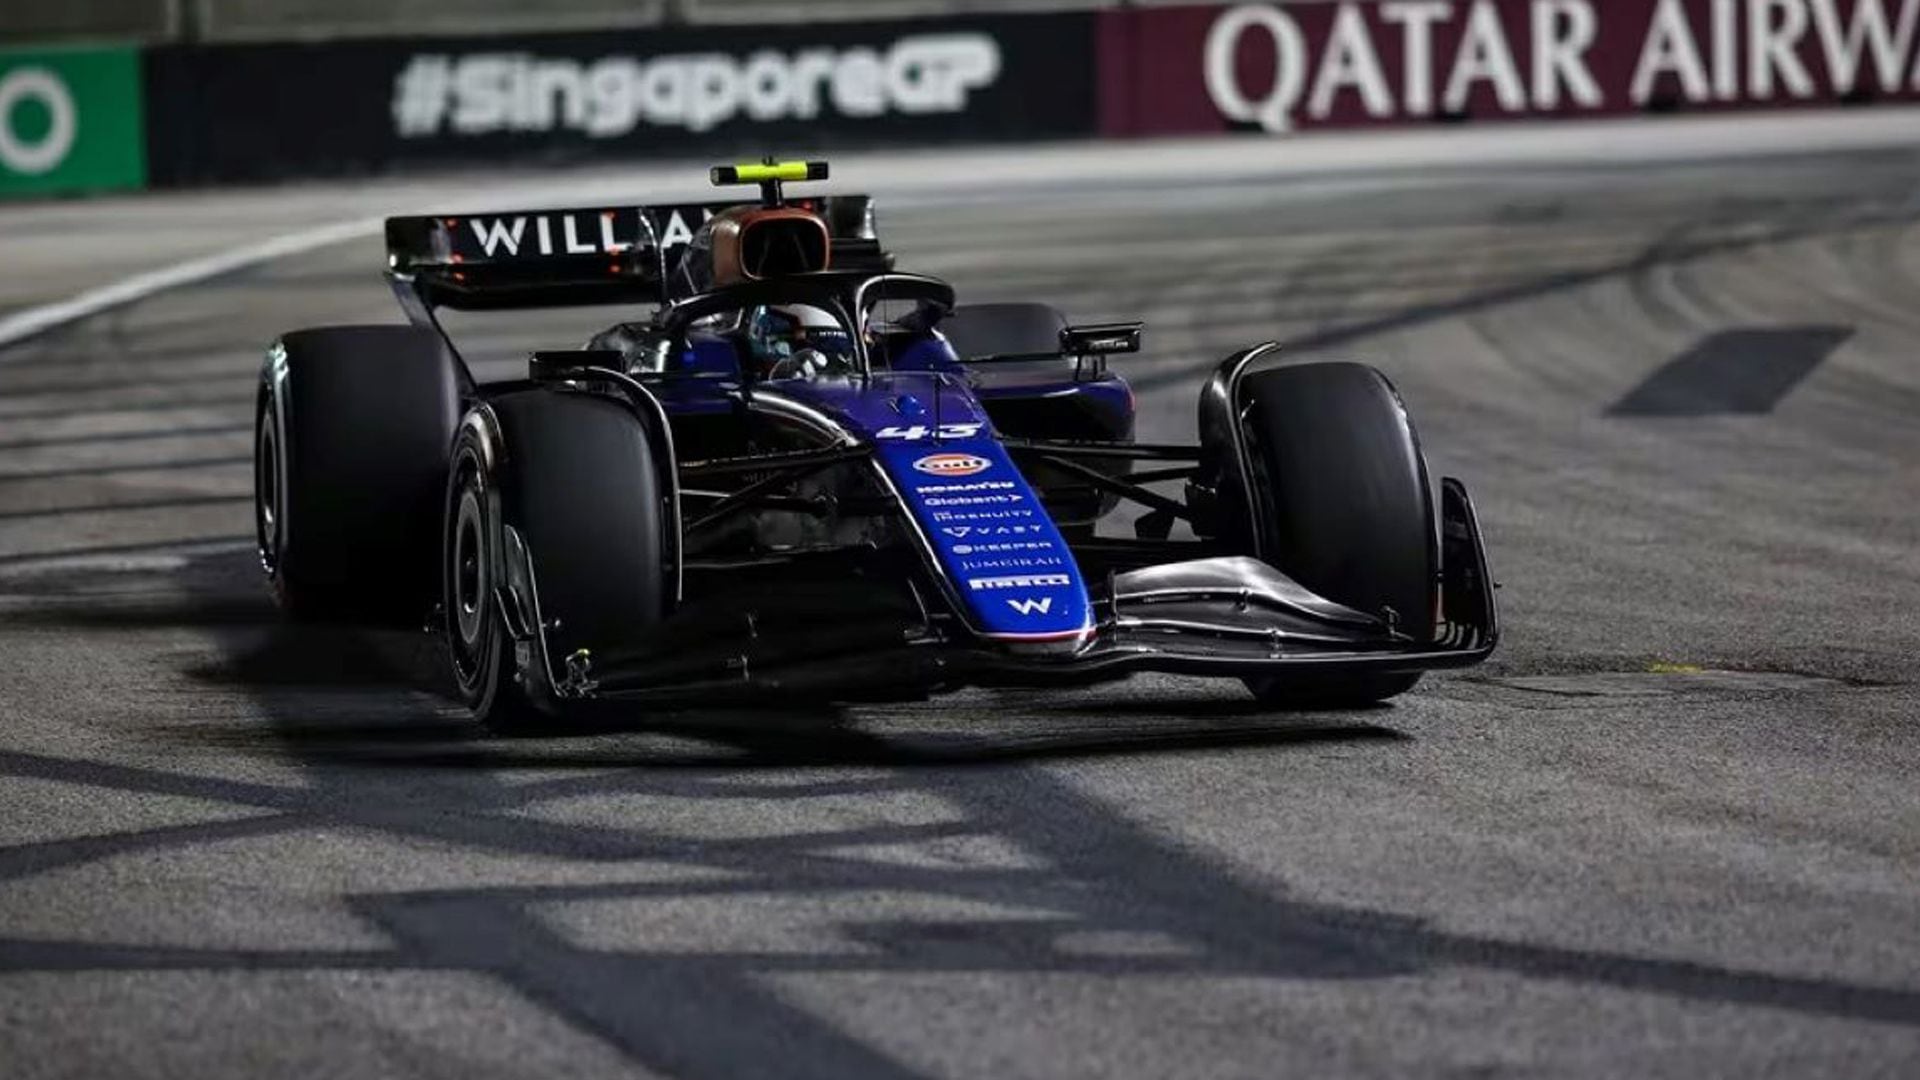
(775, 332)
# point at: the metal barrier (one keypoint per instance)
(68, 20)
(771, 11)
(305, 20)
(163, 21)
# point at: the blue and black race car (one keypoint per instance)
(808, 474)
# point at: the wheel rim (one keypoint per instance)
(469, 587)
(268, 516)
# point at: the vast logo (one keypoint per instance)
(993, 530)
(963, 531)
(952, 464)
(1042, 606)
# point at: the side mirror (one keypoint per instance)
(1101, 339)
(1090, 345)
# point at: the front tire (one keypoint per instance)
(565, 483)
(485, 675)
(1342, 504)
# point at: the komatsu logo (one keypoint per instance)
(967, 489)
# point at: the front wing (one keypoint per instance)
(1223, 616)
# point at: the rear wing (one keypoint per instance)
(558, 258)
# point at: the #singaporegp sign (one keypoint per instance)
(1408, 59)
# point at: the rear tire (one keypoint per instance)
(574, 478)
(351, 429)
(1343, 506)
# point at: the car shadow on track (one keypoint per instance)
(342, 694)
(348, 695)
(1006, 873)
(433, 733)
(722, 741)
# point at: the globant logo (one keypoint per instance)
(487, 93)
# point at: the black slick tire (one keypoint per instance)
(351, 430)
(570, 480)
(1343, 505)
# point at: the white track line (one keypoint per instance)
(22, 325)
(915, 177)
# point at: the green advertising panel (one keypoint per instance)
(70, 120)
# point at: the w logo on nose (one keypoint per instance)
(1032, 607)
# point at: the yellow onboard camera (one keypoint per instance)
(770, 175)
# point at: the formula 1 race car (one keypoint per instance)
(806, 474)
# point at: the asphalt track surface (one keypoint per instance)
(1673, 830)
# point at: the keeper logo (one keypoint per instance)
(487, 93)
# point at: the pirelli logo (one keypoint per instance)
(1024, 581)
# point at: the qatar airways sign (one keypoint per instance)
(1283, 67)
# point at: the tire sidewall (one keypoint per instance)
(1320, 448)
(470, 568)
(352, 426)
(271, 520)
(1343, 500)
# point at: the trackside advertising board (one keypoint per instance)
(81, 119)
(242, 112)
(70, 121)
(1277, 68)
